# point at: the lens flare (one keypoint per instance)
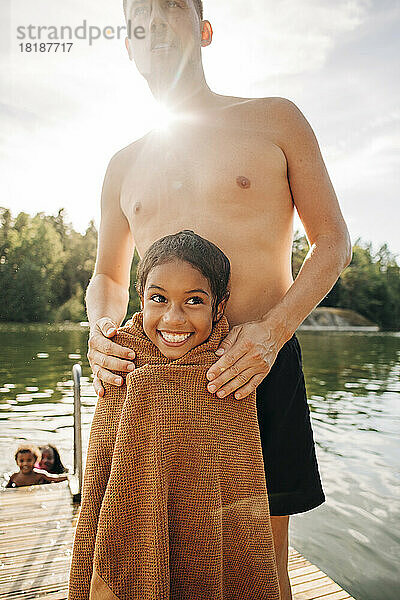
(162, 117)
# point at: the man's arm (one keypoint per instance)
(250, 350)
(107, 295)
(319, 211)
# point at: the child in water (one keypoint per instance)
(51, 460)
(25, 457)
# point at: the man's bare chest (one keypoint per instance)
(207, 173)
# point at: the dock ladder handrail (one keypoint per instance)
(76, 479)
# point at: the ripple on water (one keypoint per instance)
(24, 397)
(363, 539)
(352, 383)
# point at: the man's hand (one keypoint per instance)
(249, 351)
(104, 354)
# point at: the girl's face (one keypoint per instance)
(47, 461)
(25, 462)
(177, 308)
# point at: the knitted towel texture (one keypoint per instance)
(174, 500)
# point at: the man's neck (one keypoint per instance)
(190, 96)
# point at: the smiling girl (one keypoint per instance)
(174, 500)
(182, 282)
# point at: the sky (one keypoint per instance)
(63, 115)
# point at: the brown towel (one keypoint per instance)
(174, 501)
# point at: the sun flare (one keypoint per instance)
(162, 117)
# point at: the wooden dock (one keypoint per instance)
(36, 534)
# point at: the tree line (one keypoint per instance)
(45, 267)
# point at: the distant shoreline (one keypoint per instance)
(338, 328)
(321, 319)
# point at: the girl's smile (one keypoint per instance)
(177, 308)
(174, 339)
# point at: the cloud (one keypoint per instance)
(266, 40)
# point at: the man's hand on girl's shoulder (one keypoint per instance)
(106, 356)
(247, 355)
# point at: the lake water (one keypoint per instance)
(354, 396)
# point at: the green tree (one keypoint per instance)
(45, 267)
(30, 267)
(299, 252)
(371, 285)
(73, 309)
(134, 301)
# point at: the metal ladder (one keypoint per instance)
(75, 481)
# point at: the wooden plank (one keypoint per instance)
(33, 491)
(298, 571)
(323, 582)
(314, 576)
(342, 595)
(36, 537)
(316, 592)
(59, 552)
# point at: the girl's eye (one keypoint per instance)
(195, 300)
(173, 4)
(158, 298)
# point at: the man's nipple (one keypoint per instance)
(243, 182)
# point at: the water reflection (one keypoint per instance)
(353, 390)
(36, 399)
(352, 379)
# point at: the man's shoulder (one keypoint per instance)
(124, 157)
(281, 108)
(286, 122)
(279, 116)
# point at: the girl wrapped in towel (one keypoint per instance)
(174, 500)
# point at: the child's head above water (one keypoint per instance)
(183, 284)
(51, 460)
(26, 456)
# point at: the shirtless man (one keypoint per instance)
(233, 170)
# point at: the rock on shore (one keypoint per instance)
(337, 319)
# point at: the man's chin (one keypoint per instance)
(161, 78)
(161, 70)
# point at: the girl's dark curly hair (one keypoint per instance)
(23, 448)
(58, 467)
(189, 247)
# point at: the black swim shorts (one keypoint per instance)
(291, 468)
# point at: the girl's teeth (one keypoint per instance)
(174, 337)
